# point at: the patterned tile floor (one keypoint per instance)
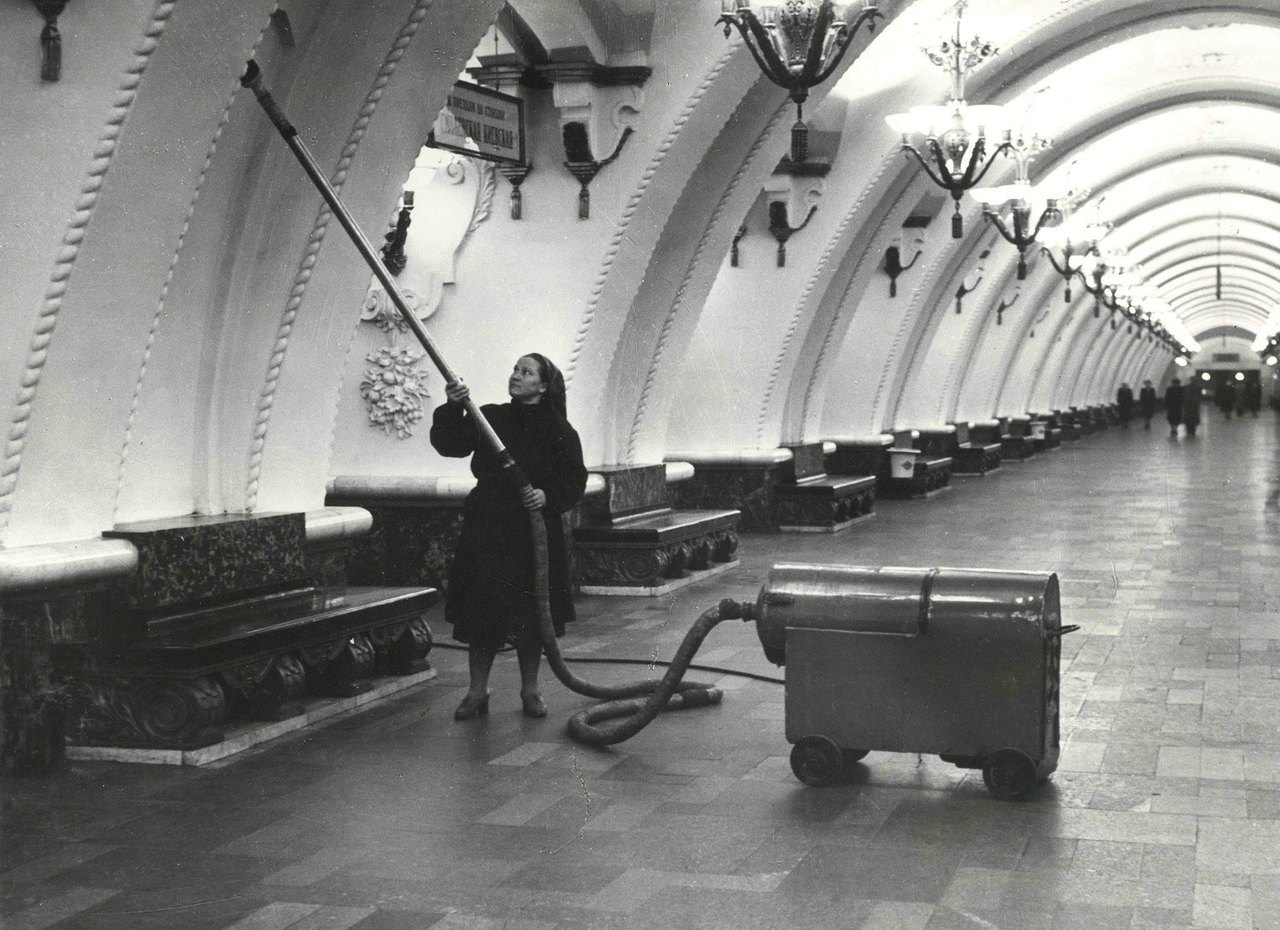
(1163, 813)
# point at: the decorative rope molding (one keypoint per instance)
(694, 263)
(815, 375)
(38, 350)
(164, 290)
(832, 244)
(633, 203)
(314, 242)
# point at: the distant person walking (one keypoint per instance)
(1191, 408)
(1253, 396)
(1173, 405)
(1147, 403)
(1124, 400)
(1226, 398)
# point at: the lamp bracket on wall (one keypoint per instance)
(893, 266)
(1044, 316)
(516, 175)
(733, 249)
(393, 248)
(50, 39)
(598, 108)
(1003, 306)
(586, 169)
(781, 228)
(966, 288)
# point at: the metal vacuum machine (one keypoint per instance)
(961, 663)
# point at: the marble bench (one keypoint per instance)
(1021, 443)
(814, 501)
(914, 476)
(631, 541)
(1012, 447)
(1084, 420)
(967, 457)
(1069, 425)
(1046, 435)
(223, 621)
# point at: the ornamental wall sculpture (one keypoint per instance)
(452, 195)
(394, 390)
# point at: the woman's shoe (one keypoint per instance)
(533, 706)
(472, 707)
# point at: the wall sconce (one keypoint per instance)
(1044, 316)
(893, 266)
(780, 226)
(50, 39)
(516, 175)
(1003, 306)
(582, 164)
(393, 249)
(966, 288)
(733, 249)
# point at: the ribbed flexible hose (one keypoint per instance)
(638, 702)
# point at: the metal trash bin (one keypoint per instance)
(962, 663)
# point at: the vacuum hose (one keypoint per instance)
(622, 701)
(633, 706)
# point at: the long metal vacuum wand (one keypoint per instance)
(252, 79)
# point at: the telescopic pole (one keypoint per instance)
(252, 79)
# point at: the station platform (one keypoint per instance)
(1164, 811)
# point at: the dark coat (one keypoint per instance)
(1191, 405)
(1147, 401)
(1173, 404)
(1253, 395)
(1124, 400)
(489, 596)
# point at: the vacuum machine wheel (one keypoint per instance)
(1009, 774)
(816, 761)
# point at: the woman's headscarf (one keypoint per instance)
(554, 381)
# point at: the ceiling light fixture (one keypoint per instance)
(797, 44)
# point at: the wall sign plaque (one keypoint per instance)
(486, 124)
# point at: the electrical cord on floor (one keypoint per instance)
(605, 660)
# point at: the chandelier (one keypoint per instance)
(1102, 271)
(1075, 240)
(1017, 227)
(798, 44)
(955, 136)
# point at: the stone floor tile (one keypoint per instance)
(1220, 907)
(898, 915)
(334, 918)
(63, 904)
(1244, 847)
(520, 810)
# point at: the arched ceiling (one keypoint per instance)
(1164, 118)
